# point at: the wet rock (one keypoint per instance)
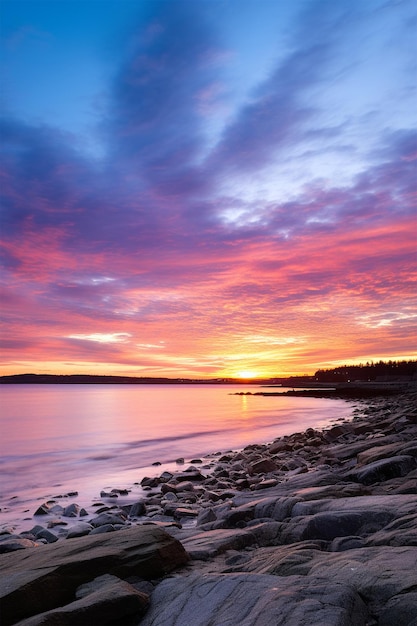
(265, 484)
(79, 530)
(72, 510)
(137, 509)
(105, 528)
(205, 516)
(108, 494)
(47, 535)
(16, 543)
(166, 476)
(170, 496)
(42, 510)
(108, 518)
(262, 466)
(166, 487)
(193, 475)
(184, 512)
(185, 486)
(150, 481)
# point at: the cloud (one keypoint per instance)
(184, 235)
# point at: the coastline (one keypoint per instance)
(274, 510)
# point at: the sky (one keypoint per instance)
(207, 188)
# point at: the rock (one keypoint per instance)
(170, 496)
(265, 484)
(72, 510)
(400, 610)
(105, 528)
(262, 466)
(208, 544)
(46, 534)
(346, 543)
(205, 516)
(16, 543)
(150, 481)
(79, 530)
(107, 600)
(137, 509)
(254, 600)
(384, 469)
(49, 578)
(186, 485)
(193, 475)
(329, 525)
(184, 512)
(168, 487)
(108, 518)
(42, 510)
(166, 477)
(106, 494)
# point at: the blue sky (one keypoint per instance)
(244, 169)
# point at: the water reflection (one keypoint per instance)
(56, 432)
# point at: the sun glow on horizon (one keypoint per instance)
(247, 374)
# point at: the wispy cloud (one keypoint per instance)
(278, 235)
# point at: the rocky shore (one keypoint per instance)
(315, 528)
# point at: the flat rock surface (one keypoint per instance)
(254, 600)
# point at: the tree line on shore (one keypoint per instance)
(370, 371)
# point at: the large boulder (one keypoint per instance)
(254, 600)
(109, 601)
(384, 469)
(40, 579)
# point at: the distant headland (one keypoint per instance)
(383, 376)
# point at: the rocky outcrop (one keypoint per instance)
(36, 581)
(255, 600)
(316, 528)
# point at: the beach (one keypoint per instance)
(317, 527)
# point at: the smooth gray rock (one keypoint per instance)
(44, 578)
(16, 543)
(107, 518)
(400, 610)
(72, 510)
(384, 469)
(79, 530)
(137, 509)
(107, 602)
(254, 600)
(208, 544)
(46, 534)
(106, 528)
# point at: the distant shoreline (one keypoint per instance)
(98, 379)
(355, 389)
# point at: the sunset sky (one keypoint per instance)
(207, 188)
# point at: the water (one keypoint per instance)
(61, 438)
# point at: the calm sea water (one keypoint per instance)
(59, 438)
